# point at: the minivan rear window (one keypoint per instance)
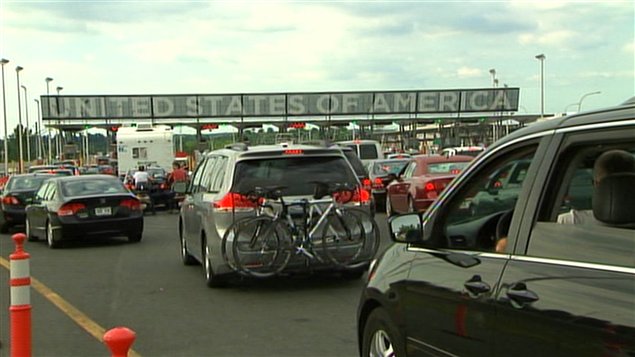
(295, 174)
(368, 152)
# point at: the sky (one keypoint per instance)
(199, 47)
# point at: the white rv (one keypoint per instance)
(144, 145)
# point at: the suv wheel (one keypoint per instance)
(381, 336)
(186, 257)
(212, 280)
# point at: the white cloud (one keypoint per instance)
(467, 72)
(554, 38)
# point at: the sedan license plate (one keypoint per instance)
(103, 211)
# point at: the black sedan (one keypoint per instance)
(81, 206)
(18, 193)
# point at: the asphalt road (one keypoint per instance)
(146, 288)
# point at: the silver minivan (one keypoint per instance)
(214, 198)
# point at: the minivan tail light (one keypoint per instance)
(70, 209)
(361, 196)
(131, 203)
(10, 201)
(234, 201)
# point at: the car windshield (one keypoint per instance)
(388, 167)
(446, 167)
(76, 188)
(26, 182)
(296, 174)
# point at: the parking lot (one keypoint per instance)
(146, 287)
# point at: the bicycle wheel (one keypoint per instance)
(261, 246)
(228, 240)
(371, 235)
(342, 238)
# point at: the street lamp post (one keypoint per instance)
(59, 134)
(28, 134)
(38, 126)
(584, 96)
(21, 156)
(493, 73)
(48, 99)
(6, 133)
(541, 57)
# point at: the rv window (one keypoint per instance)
(139, 153)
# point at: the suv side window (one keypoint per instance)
(218, 174)
(573, 222)
(472, 217)
(206, 178)
(196, 178)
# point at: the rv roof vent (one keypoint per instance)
(144, 127)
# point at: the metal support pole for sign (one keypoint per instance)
(28, 134)
(20, 153)
(4, 109)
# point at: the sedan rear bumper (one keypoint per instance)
(111, 227)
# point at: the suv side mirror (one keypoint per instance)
(406, 228)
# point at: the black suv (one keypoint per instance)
(516, 278)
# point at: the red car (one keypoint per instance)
(421, 181)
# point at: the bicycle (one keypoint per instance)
(262, 246)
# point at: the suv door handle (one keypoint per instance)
(476, 286)
(519, 293)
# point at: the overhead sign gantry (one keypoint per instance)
(72, 110)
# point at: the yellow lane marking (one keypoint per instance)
(69, 310)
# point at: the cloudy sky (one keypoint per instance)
(186, 47)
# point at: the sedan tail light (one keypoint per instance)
(366, 184)
(378, 183)
(434, 187)
(70, 209)
(131, 203)
(10, 201)
(234, 201)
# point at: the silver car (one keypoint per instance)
(213, 198)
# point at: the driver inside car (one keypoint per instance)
(608, 163)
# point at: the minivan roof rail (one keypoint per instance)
(237, 147)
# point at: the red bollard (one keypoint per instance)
(20, 310)
(119, 340)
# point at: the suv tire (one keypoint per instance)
(212, 280)
(186, 257)
(381, 336)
